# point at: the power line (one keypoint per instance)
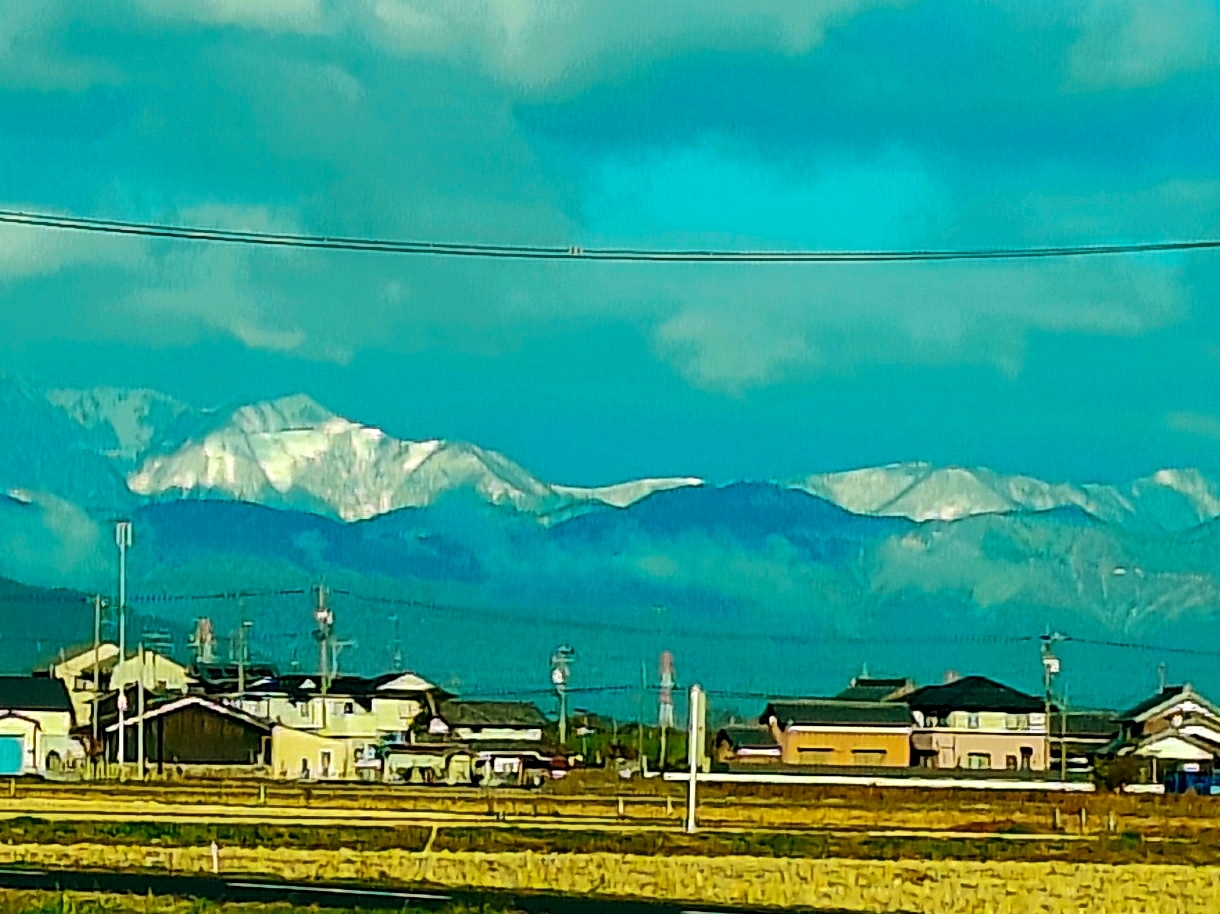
(621, 255)
(1137, 646)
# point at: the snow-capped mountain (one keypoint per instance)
(130, 423)
(292, 452)
(1170, 499)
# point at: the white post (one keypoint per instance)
(693, 751)
(123, 539)
(140, 713)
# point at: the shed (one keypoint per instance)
(193, 730)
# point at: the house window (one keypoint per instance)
(1017, 722)
(868, 756)
(349, 707)
(815, 755)
(978, 761)
(305, 768)
(1010, 762)
(931, 721)
(972, 720)
(324, 763)
(1027, 758)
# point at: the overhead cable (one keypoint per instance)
(621, 255)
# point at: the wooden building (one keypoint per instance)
(191, 732)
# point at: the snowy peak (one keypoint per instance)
(292, 452)
(132, 421)
(1171, 499)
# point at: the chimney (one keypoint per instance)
(951, 676)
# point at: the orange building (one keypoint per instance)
(824, 731)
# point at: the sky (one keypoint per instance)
(838, 124)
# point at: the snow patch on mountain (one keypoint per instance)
(293, 452)
(133, 421)
(1170, 499)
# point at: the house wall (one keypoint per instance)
(954, 748)
(291, 747)
(194, 735)
(76, 673)
(887, 747)
(160, 673)
(42, 732)
(343, 716)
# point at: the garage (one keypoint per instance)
(12, 754)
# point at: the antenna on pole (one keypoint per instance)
(397, 655)
(665, 715)
(1050, 669)
(325, 618)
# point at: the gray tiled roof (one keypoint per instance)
(829, 711)
(971, 693)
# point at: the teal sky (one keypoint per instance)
(837, 124)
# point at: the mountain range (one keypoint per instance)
(784, 585)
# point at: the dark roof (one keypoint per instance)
(873, 689)
(263, 680)
(828, 712)
(1085, 724)
(747, 737)
(1166, 694)
(971, 693)
(33, 693)
(491, 714)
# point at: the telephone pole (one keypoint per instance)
(1050, 669)
(561, 662)
(123, 539)
(639, 733)
(97, 680)
(326, 621)
(140, 712)
(243, 654)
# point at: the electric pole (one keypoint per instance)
(140, 711)
(639, 733)
(1050, 669)
(326, 621)
(243, 655)
(561, 662)
(123, 539)
(97, 683)
(397, 655)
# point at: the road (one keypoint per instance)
(339, 895)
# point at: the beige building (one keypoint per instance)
(1176, 729)
(834, 732)
(979, 724)
(335, 732)
(76, 672)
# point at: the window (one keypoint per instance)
(978, 761)
(349, 707)
(324, 763)
(972, 720)
(868, 756)
(1027, 758)
(1017, 722)
(815, 755)
(305, 768)
(1010, 763)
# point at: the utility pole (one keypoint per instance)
(97, 683)
(326, 621)
(140, 712)
(694, 748)
(122, 539)
(561, 662)
(1160, 671)
(639, 733)
(397, 655)
(1050, 669)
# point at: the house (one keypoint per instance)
(745, 745)
(159, 672)
(1081, 735)
(505, 738)
(977, 723)
(192, 732)
(864, 688)
(36, 720)
(827, 731)
(331, 729)
(1177, 729)
(76, 671)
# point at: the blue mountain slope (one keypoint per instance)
(751, 514)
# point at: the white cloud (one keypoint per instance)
(1202, 425)
(1128, 43)
(27, 251)
(537, 44)
(304, 16)
(30, 56)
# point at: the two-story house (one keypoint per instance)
(36, 721)
(505, 739)
(331, 729)
(1175, 729)
(977, 723)
(836, 732)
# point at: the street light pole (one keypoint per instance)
(122, 539)
(694, 747)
